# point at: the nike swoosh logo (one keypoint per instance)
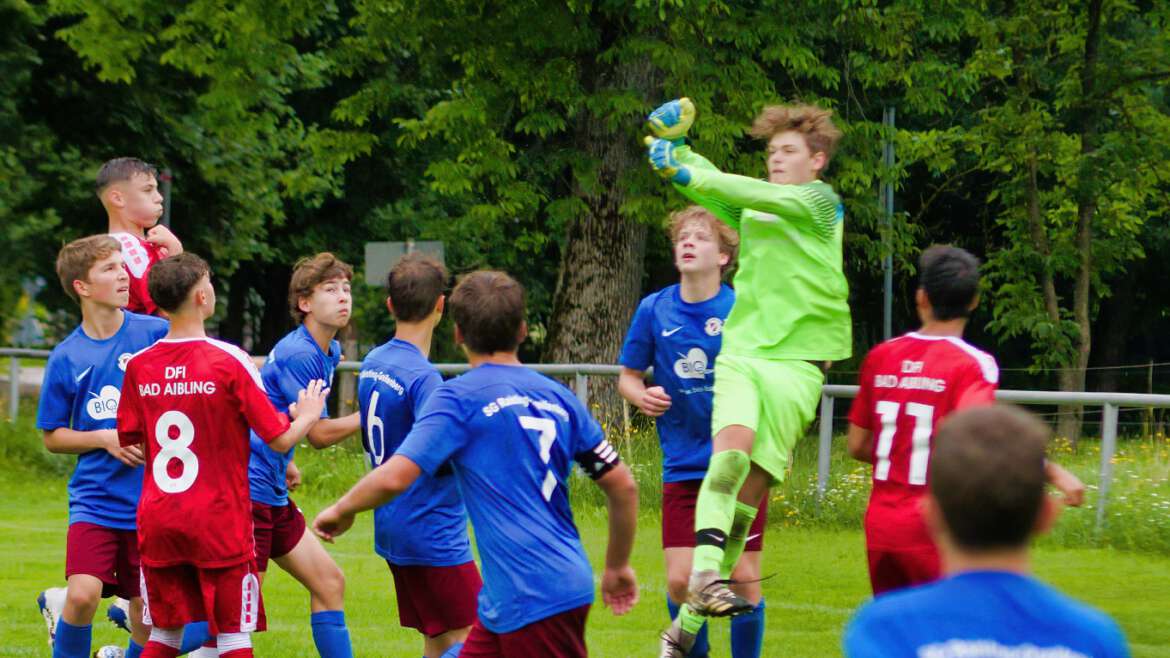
(672, 332)
(83, 374)
(751, 537)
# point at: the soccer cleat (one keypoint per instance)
(119, 614)
(109, 651)
(675, 642)
(710, 596)
(51, 602)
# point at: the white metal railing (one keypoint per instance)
(1109, 402)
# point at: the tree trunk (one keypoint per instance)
(600, 274)
(1073, 378)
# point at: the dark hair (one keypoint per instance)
(171, 279)
(415, 284)
(76, 258)
(488, 308)
(987, 475)
(950, 277)
(308, 273)
(120, 169)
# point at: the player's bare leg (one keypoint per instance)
(83, 593)
(139, 631)
(310, 564)
(435, 647)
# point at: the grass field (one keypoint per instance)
(816, 553)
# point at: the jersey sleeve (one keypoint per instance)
(57, 393)
(421, 390)
(257, 409)
(638, 350)
(728, 194)
(728, 213)
(131, 428)
(975, 387)
(438, 433)
(860, 412)
(590, 449)
(296, 372)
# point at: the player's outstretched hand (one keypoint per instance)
(654, 401)
(662, 160)
(331, 524)
(310, 401)
(619, 589)
(672, 119)
(129, 455)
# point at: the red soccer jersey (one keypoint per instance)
(190, 403)
(138, 256)
(907, 386)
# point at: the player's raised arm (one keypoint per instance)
(377, 488)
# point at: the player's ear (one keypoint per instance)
(724, 259)
(1050, 509)
(81, 288)
(921, 300)
(441, 304)
(303, 304)
(458, 335)
(932, 516)
(819, 160)
(974, 303)
(389, 306)
(523, 333)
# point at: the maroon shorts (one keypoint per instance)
(434, 600)
(678, 517)
(890, 570)
(277, 531)
(228, 599)
(108, 554)
(559, 636)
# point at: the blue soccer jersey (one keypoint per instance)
(81, 391)
(982, 613)
(681, 341)
(294, 362)
(426, 525)
(511, 436)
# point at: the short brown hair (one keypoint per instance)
(120, 169)
(308, 273)
(814, 123)
(415, 283)
(76, 258)
(987, 475)
(488, 308)
(727, 237)
(171, 279)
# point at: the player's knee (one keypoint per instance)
(82, 602)
(331, 585)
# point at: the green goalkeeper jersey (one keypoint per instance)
(791, 297)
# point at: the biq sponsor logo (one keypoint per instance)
(104, 404)
(692, 365)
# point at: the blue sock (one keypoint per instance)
(72, 641)
(330, 634)
(194, 635)
(701, 646)
(747, 633)
(453, 652)
(132, 650)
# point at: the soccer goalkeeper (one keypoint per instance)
(790, 318)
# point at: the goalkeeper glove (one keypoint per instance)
(663, 161)
(672, 119)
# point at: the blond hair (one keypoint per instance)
(814, 123)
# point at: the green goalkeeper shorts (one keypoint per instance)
(777, 399)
